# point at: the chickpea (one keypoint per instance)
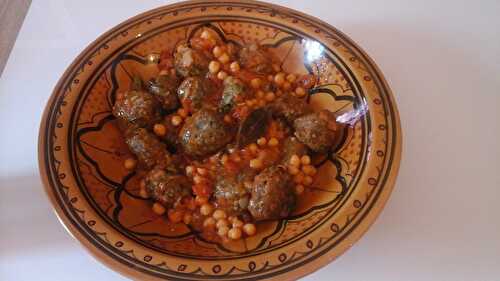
(217, 51)
(299, 189)
(305, 160)
(260, 94)
(214, 67)
(222, 222)
(249, 229)
(234, 66)
(206, 34)
(287, 86)
(176, 120)
(209, 222)
(202, 171)
(175, 216)
(234, 233)
(219, 214)
(221, 75)
(308, 180)
(253, 148)
(293, 170)
(228, 119)
(189, 170)
(291, 78)
(295, 160)
(298, 178)
(224, 58)
(256, 163)
(256, 83)
(206, 209)
(262, 141)
(130, 163)
(270, 78)
(300, 92)
(279, 79)
(237, 223)
(261, 103)
(273, 142)
(270, 96)
(222, 231)
(159, 130)
(309, 170)
(159, 209)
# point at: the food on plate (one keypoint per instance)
(223, 137)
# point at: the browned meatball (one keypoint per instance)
(193, 91)
(272, 195)
(317, 130)
(190, 62)
(234, 91)
(289, 108)
(204, 133)
(256, 59)
(139, 108)
(291, 146)
(231, 194)
(164, 88)
(148, 149)
(166, 188)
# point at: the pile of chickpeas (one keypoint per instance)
(302, 171)
(222, 65)
(225, 226)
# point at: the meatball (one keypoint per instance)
(234, 91)
(204, 133)
(149, 150)
(289, 108)
(190, 62)
(317, 130)
(139, 108)
(291, 146)
(164, 88)
(166, 188)
(256, 59)
(193, 91)
(272, 195)
(230, 192)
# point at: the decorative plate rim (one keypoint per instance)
(310, 267)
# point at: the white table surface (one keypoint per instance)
(443, 64)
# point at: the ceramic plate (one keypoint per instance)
(81, 151)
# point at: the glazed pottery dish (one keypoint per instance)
(220, 140)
